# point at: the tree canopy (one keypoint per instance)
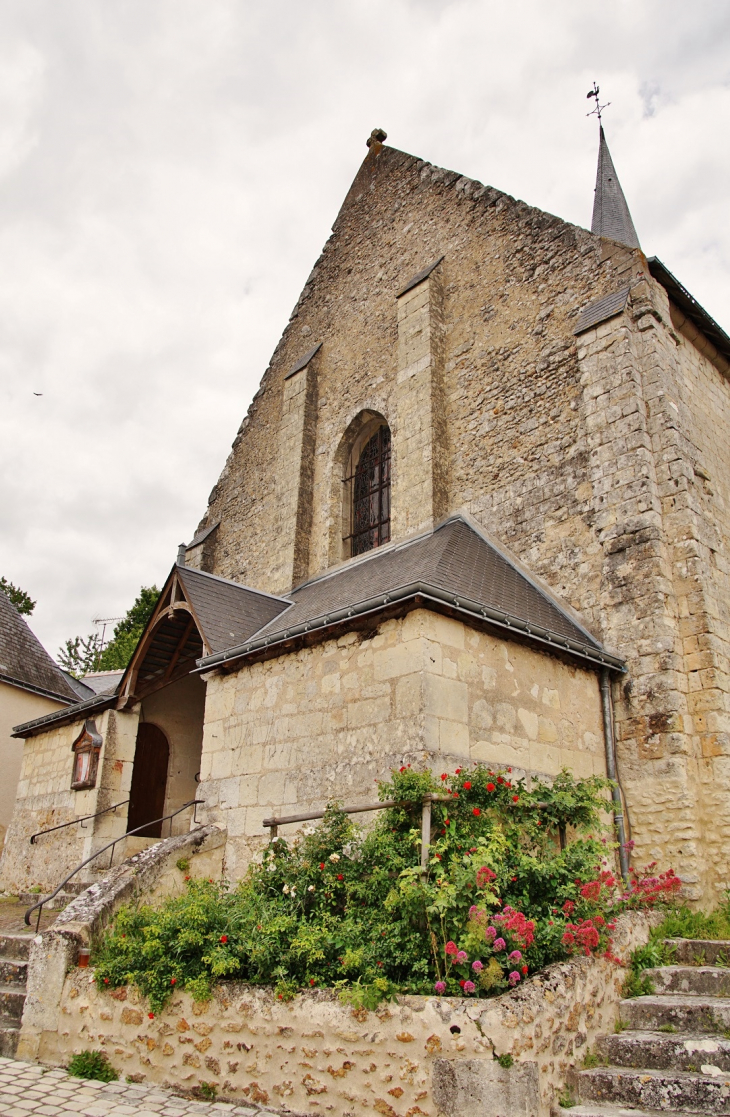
(80, 655)
(19, 598)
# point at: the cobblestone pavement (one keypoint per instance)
(27, 1088)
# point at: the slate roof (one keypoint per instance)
(101, 682)
(611, 217)
(686, 302)
(229, 613)
(24, 661)
(453, 565)
(607, 307)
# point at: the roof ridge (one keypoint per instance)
(231, 582)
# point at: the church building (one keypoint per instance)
(478, 510)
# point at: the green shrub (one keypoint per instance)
(505, 1061)
(683, 923)
(351, 909)
(92, 1064)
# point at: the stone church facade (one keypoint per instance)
(486, 471)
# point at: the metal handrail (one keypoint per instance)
(109, 845)
(73, 821)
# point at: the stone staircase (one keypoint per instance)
(58, 903)
(14, 951)
(672, 1053)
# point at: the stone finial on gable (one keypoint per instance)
(376, 139)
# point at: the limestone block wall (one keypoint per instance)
(327, 722)
(45, 799)
(422, 1056)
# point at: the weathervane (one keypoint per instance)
(598, 108)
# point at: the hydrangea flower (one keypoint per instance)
(334, 857)
(440, 987)
(477, 966)
(513, 978)
(499, 944)
(490, 933)
(516, 956)
(462, 957)
(469, 986)
(451, 947)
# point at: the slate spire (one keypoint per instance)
(611, 217)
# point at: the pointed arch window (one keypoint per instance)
(369, 494)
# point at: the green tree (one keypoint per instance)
(19, 598)
(80, 655)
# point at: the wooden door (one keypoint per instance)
(149, 781)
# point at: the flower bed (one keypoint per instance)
(352, 910)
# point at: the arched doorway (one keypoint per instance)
(149, 781)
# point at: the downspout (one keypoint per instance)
(618, 810)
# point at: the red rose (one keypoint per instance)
(321, 864)
(467, 786)
(311, 981)
(173, 980)
(151, 1015)
(490, 787)
(476, 812)
(447, 822)
(444, 775)
(340, 876)
(224, 938)
(499, 779)
(515, 798)
(187, 878)
(458, 770)
(402, 769)
(106, 980)
(525, 969)
(462, 983)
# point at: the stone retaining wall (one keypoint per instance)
(427, 1056)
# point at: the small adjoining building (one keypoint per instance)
(31, 685)
(478, 510)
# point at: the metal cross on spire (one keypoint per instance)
(598, 107)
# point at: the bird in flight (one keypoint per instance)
(37, 393)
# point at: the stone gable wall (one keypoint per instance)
(292, 733)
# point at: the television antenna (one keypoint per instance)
(104, 621)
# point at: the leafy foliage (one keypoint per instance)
(351, 909)
(92, 1064)
(19, 598)
(684, 923)
(83, 654)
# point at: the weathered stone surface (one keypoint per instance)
(478, 1088)
(712, 981)
(683, 1011)
(661, 1051)
(652, 1089)
(709, 952)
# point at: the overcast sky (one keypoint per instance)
(170, 169)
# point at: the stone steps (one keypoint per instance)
(706, 952)
(711, 981)
(673, 1052)
(14, 952)
(687, 1013)
(660, 1051)
(581, 1110)
(657, 1089)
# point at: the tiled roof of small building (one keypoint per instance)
(454, 565)
(228, 612)
(23, 659)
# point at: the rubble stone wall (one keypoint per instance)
(425, 1056)
(326, 722)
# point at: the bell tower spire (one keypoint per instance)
(611, 216)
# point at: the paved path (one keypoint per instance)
(27, 1088)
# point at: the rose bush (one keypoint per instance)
(351, 909)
